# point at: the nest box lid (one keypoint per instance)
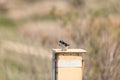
(69, 51)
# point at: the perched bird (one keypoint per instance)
(63, 44)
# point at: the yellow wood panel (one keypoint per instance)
(69, 57)
(69, 74)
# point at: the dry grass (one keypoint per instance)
(20, 60)
(94, 26)
(15, 66)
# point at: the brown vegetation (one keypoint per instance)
(34, 27)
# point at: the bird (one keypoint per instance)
(64, 44)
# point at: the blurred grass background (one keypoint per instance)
(29, 29)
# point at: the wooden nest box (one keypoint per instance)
(67, 64)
